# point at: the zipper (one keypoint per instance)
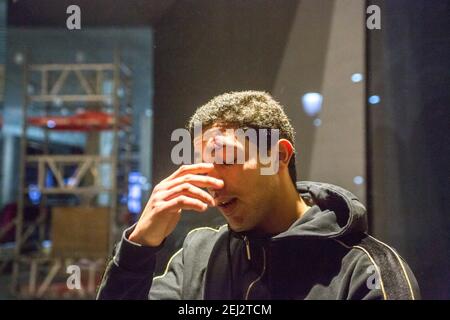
(260, 276)
(247, 248)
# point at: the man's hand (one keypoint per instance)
(181, 190)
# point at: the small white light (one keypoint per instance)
(312, 103)
(18, 58)
(51, 124)
(71, 181)
(46, 244)
(135, 191)
(317, 122)
(30, 89)
(358, 180)
(374, 99)
(57, 102)
(149, 113)
(357, 77)
(79, 56)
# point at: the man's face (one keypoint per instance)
(246, 198)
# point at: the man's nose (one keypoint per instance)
(215, 174)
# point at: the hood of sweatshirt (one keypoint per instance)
(334, 212)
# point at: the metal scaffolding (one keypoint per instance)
(50, 95)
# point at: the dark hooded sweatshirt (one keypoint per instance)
(326, 254)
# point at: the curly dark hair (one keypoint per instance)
(246, 109)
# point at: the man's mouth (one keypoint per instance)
(227, 205)
(226, 202)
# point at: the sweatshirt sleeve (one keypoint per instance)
(168, 286)
(374, 280)
(365, 281)
(129, 273)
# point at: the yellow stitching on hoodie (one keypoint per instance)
(373, 262)
(173, 256)
(260, 276)
(401, 264)
(206, 228)
(377, 268)
(168, 265)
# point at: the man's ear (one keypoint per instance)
(285, 152)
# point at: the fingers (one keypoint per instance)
(197, 168)
(185, 203)
(194, 179)
(181, 190)
(189, 190)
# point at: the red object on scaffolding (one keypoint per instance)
(84, 121)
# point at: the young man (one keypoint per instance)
(284, 239)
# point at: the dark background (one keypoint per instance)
(409, 137)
